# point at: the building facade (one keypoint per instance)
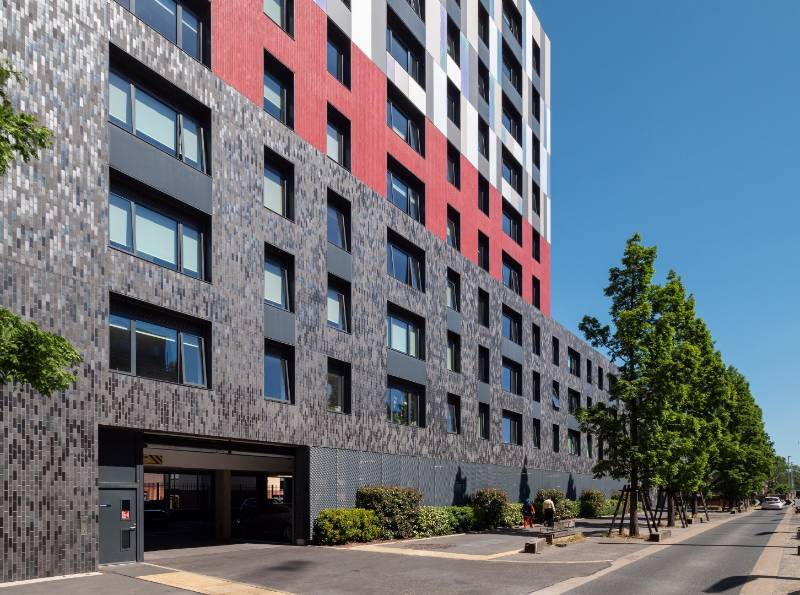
(302, 247)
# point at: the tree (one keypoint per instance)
(29, 354)
(21, 136)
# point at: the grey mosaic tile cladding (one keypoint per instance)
(56, 269)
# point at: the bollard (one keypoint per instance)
(798, 550)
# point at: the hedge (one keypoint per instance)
(336, 526)
(512, 515)
(592, 504)
(489, 505)
(564, 508)
(397, 508)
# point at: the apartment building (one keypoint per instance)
(302, 246)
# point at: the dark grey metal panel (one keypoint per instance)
(142, 161)
(405, 367)
(512, 351)
(483, 110)
(117, 457)
(512, 42)
(340, 14)
(483, 54)
(454, 12)
(279, 325)
(484, 393)
(339, 262)
(512, 94)
(453, 134)
(410, 19)
(454, 321)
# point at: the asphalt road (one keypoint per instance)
(719, 560)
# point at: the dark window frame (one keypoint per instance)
(409, 320)
(341, 125)
(285, 262)
(344, 370)
(343, 288)
(484, 316)
(514, 421)
(453, 228)
(454, 345)
(287, 17)
(512, 330)
(285, 78)
(484, 421)
(512, 274)
(453, 414)
(343, 209)
(484, 364)
(285, 169)
(414, 275)
(514, 386)
(337, 40)
(409, 389)
(453, 290)
(512, 222)
(484, 257)
(414, 189)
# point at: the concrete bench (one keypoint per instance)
(535, 546)
(661, 535)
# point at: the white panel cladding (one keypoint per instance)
(439, 79)
(512, 196)
(469, 131)
(407, 85)
(362, 25)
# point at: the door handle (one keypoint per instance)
(105, 505)
(132, 528)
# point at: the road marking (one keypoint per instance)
(201, 583)
(431, 554)
(47, 579)
(768, 565)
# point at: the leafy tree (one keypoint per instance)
(29, 354)
(21, 136)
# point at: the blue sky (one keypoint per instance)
(680, 120)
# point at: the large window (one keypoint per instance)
(172, 242)
(406, 122)
(338, 221)
(536, 56)
(537, 387)
(337, 386)
(573, 401)
(153, 120)
(338, 54)
(453, 104)
(573, 362)
(405, 333)
(536, 335)
(556, 350)
(537, 246)
(453, 414)
(278, 90)
(536, 292)
(405, 403)
(174, 21)
(512, 274)
(536, 198)
(453, 166)
(483, 25)
(404, 49)
(483, 251)
(512, 71)
(453, 41)
(512, 20)
(588, 371)
(404, 263)
(555, 396)
(405, 192)
(453, 352)
(483, 138)
(453, 290)
(281, 11)
(589, 446)
(512, 377)
(483, 195)
(156, 345)
(278, 372)
(278, 191)
(453, 228)
(484, 421)
(600, 374)
(483, 81)
(512, 325)
(512, 223)
(574, 442)
(512, 428)
(512, 172)
(536, 100)
(512, 121)
(483, 308)
(278, 278)
(536, 433)
(484, 364)
(556, 438)
(338, 137)
(338, 304)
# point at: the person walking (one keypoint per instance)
(528, 512)
(549, 510)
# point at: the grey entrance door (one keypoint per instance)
(118, 521)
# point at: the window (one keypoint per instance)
(483, 307)
(418, 6)
(536, 56)
(337, 386)
(453, 290)
(278, 372)
(512, 121)
(405, 333)
(405, 403)
(483, 139)
(536, 292)
(588, 371)
(555, 351)
(338, 221)
(453, 414)
(154, 344)
(512, 71)
(453, 104)
(512, 20)
(280, 11)
(175, 22)
(484, 364)
(338, 137)
(453, 228)
(405, 120)
(453, 41)
(278, 191)
(177, 243)
(574, 442)
(512, 428)
(453, 352)
(512, 172)
(589, 402)
(556, 438)
(536, 199)
(483, 251)
(573, 362)
(512, 325)
(405, 192)
(536, 151)
(338, 304)
(483, 81)
(589, 446)
(537, 246)
(536, 335)
(404, 263)
(483, 195)
(512, 377)
(338, 54)
(536, 433)
(536, 101)
(555, 396)
(405, 50)
(512, 223)
(600, 378)
(278, 90)
(512, 274)
(453, 166)
(484, 421)
(483, 25)
(537, 387)
(154, 121)
(278, 278)
(573, 401)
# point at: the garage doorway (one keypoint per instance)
(179, 509)
(261, 507)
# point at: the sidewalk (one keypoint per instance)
(777, 571)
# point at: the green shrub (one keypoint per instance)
(489, 505)
(335, 526)
(567, 509)
(564, 508)
(397, 508)
(610, 506)
(462, 518)
(592, 504)
(512, 515)
(433, 520)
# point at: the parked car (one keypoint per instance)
(772, 503)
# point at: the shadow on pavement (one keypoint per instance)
(735, 582)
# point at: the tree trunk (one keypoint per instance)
(694, 504)
(670, 509)
(633, 530)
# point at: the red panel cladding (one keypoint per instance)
(240, 34)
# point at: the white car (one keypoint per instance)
(772, 503)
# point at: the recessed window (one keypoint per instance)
(556, 355)
(483, 138)
(573, 401)
(512, 20)
(453, 421)
(338, 221)
(483, 195)
(337, 386)
(338, 137)
(512, 325)
(537, 387)
(453, 290)
(483, 251)
(453, 41)
(536, 199)
(512, 428)
(536, 336)
(512, 121)
(405, 403)
(588, 371)
(536, 151)
(600, 378)
(278, 191)
(278, 90)
(483, 25)
(555, 396)
(484, 364)
(338, 54)
(484, 421)
(536, 57)
(174, 21)
(278, 372)
(338, 304)
(512, 223)
(589, 402)
(536, 292)
(405, 333)
(453, 104)
(573, 362)
(537, 246)
(405, 191)
(453, 352)
(281, 11)
(574, 442)
(483, 81)
(536, 433)
(589, 446)
(512, 377)
(512, 172)
(556, 438)
(418, 6)
(512, 274)
(483, 307)
(405, 120)
(453, 228)
(512, 71)
(175, 242)
(453, 166)
(405, 262)
(403, 47)
(278, 278)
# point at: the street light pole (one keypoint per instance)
(789, 474)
